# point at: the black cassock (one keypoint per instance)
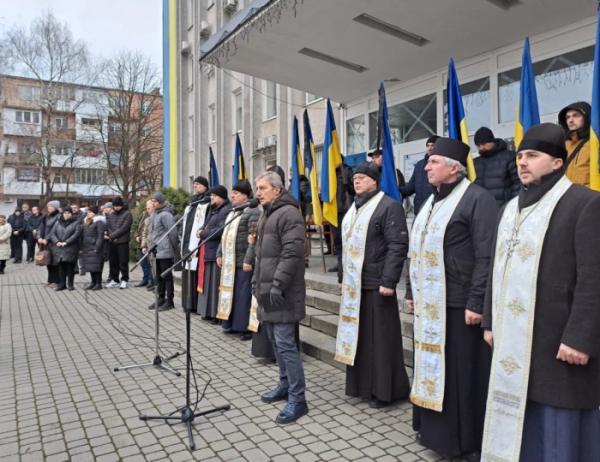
(378, 370)
(458, 429)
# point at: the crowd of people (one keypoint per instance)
(502, 281)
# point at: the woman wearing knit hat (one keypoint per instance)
(92, 247)
(48, 223)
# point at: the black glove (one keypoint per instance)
(276, 298)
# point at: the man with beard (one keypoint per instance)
(451, 242)
(541, 314)
(209, 275)
(193, 219)
(496, 166)
(369, 336)
(575, 120)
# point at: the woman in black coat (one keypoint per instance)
(91, 256)
(65, 239)
(48, 223)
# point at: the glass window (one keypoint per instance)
(310, 98)
(409, 121)
(476, 102)
(28, 93)
(559, 81)
(61, 123)
(270, 99)
(355, 135)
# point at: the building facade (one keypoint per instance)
(61, 141)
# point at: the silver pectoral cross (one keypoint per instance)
(512, 243)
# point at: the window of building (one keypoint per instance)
(91, 123)
(62, 150)
(270, 100)
(476, 102)
(212, 123)
(559, 81)
(238, 111)
(355, 135)
(59, 93)
(28, 174)
(27, 149)
(60, 123)
(310, 98)
(409, 121)
(27, 117)
(28, 92)
(115, 129)
(146, 107)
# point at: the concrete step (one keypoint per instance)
(319, 345)
(321, 321)
(320, 282)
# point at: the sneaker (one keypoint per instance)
(277, 394)
(292, 412)
(123, 285)
(112, 285)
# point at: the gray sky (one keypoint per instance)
(106, 25)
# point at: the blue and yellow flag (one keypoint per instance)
(595, 126)
(528, 113)
(239, 167)
(332, 158)
(297, 161)
(213, 173)
(310, 162)
(389, 179)
(457, 122)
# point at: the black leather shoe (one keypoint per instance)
(168, 305)
(245, 337)
(378, 404)
(150, 287)
(141, 284)
(70, 287)
(292, 412)
(278, 394)
(59, 288)
(159, 304)
(89, 286)
(97, 287)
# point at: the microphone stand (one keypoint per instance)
(188, 413)
(158, 361)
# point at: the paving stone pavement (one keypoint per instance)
(61, 400)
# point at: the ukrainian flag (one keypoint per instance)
(213, 173)
(332, 158)
(310, 162)
(595, 126)
(239, 167)
(528, 113)
(389, 178)
(297, 162)
(457, 122)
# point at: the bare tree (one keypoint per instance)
(47, 52)
(133, 140)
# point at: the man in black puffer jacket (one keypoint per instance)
(118, 228)
(496, 167)
(278, 284)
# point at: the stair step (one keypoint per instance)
(321, 321)
(322, 282)
(320, 346)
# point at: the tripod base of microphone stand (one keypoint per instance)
(187, 418)
(157, 362)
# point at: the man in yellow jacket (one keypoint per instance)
(575, 120)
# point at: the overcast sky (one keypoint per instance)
(106, 25)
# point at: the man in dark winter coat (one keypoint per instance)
(278, 284)
(496, 166)
(209, 274)
(344, 197)
(545, 382)
(17, 222)
(369, 337)
(65, 237)
(575, 120)
(34, 223)
(165, 248)
(118, 228)
(451, 242)
(418, 184)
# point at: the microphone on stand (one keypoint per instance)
(252, 203)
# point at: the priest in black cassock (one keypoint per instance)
(209, 275)
(450, 247)
(542, 314)
(193, 219)
(369, 338)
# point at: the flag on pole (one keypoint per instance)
(457, 122)
(310, 162)
(297, 161)
(389, 178)
(528, 113)
(239, 167)
(595, 124)
(213, 173)
(332, 158)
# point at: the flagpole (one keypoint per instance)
(321, 239)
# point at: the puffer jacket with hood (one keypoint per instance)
(497, 172)
(578, 165)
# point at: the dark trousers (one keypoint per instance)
(146, 269)
(66, 273)
(52, 274)
(165, 285)
(291, 372)
(30, 245)
(16, 243)
(96, 278)
(2, 266)
(118, 261)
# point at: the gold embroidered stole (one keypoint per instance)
(428, 282)
(228, 266)
(518, 251)
(253, 321)
(199, 217)
(354, 238)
